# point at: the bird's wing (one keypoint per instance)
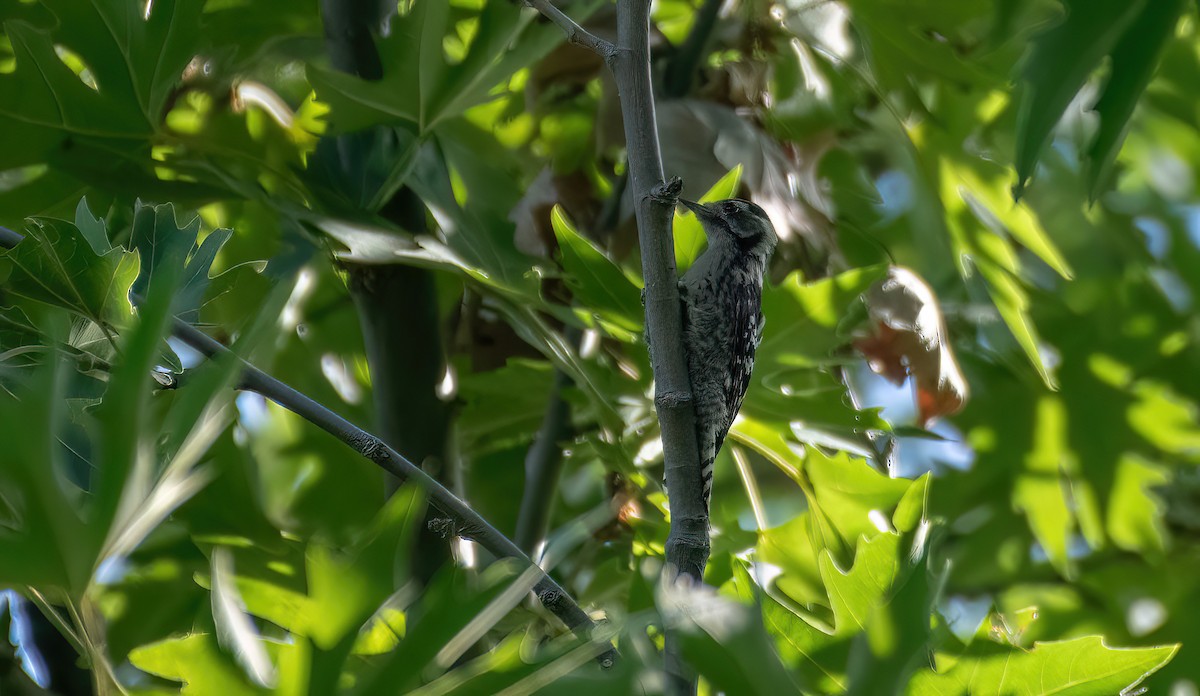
(747, 325)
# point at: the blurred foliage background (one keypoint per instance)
(418, 216)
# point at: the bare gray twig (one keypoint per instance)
(575, 33)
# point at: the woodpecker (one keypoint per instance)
(722, 317)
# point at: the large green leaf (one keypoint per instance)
(46, 541)
(162, 242)
(131, 60)
(598, 283)
(56, 265)
(687, 230)
(1083, 666)
(1134, 59)
(136, 55)
(421, 85)
(1061, 61)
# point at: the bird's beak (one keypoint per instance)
(698, 208)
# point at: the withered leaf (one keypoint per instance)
(908, 338)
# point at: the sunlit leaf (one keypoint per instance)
(595, 279)
(687, 231)
(1084, 666)
(55, 264)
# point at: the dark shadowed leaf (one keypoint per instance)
(1061, 61)
(56, 265)
(1134, 59)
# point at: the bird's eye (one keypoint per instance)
(730, 208)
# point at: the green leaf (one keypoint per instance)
(806, 649)
(849, 489)
(980, 185)
(420, 85)
(1134, 59)
(803, 319)
(56, 265)
(726, 642)
(1083, 666)
(92, 228)
(135, 57)
(197, 661)
(162, 243)
(1062, 59)
(130, 63)
(596, 280)
(854, 593)
(687, 230)
(42, 101)
(46, 542)
(987, 256)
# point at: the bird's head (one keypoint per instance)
(741, 222)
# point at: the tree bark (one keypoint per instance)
(687, 547)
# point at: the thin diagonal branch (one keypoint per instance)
(466, 522)
(460, 519)
(575, 33)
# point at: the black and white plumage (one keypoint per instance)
(722, 317)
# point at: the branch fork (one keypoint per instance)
(575, 33)
(667, 192)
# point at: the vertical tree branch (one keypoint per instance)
(394, 302)
(687, 545)
(681, 69)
